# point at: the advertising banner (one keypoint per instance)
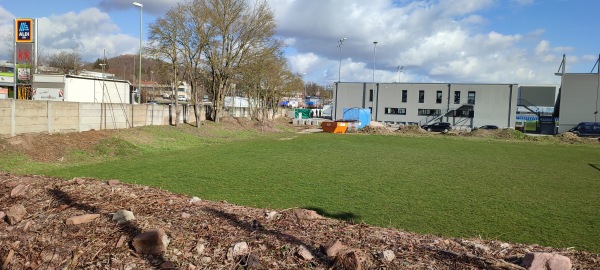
(24, 30)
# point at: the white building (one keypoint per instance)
(74, 88)
(463, 105)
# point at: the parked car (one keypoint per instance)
(589, 129)
(487, 127)
(439, 127)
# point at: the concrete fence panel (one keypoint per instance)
(63, 116)
(31, 116)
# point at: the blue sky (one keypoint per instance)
(506, 41)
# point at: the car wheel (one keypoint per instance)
(445, 130)
(429, 129)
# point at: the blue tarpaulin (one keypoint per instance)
(363, 116)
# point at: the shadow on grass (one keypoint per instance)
(595, 166)
(127, 228)
(347, 216)
(252, 227)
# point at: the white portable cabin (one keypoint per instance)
(73, 88)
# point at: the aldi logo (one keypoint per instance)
(24, 30)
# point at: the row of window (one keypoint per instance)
(438, 96)
(427, 112)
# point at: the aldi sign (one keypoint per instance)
(24, 30)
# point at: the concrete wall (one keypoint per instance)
(580, 100)
(495, 104)
(31, 116)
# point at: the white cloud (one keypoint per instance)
(436, 40)
(89, 32)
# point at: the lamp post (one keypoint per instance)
(341, 41)
(399, 71)
(153, 83)
(374, 94)
(140, 67)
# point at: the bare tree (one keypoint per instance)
(68, 62)
(164, 39)
(234, 27)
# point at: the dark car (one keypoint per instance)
(487, 127)
(439, 127)
(591, 129)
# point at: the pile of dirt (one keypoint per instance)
(215, 235)
(411, 129)
(569, 137)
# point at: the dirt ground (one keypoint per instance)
(202, 233)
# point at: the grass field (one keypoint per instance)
(525, 192)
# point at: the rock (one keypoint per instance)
(481, 248)
(2, 215)
(546, 261)
(386, 255)
(113, 183)
(205, 260)
(151, 242)
(122, 216)
(11, 184)
(185, 215)
(15, 214)
(333, 248)
(80, 181)
(200, 248)
(82, 219)
(306, 214)
(252, 262)
(194, 200)
(304, 253)
(19, 191)
(191, 267)
(271, 214)
(240, 249)
(347, 260)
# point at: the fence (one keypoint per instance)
(32, 116)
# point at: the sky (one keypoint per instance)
(454, 41)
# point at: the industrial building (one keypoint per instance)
(579, 100)
(463, 105)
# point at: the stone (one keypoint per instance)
(19, 191)
(253, 262)
(122, 216)
(240, 249)
(205, 260)
(185, 215)
(121, 241)
(200, 248)
(546, 261)
(191, 267)
(11, 184)
(15, 214)
(304, 253)
(271, 214)
(481, 248)
(2, 215)
(113, 183)
(347, 260)
(151, 242)
(386, 255)
(194, 200)
(82, 219)
(333, 248)
(306, 214)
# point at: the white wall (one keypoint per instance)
(580, 100)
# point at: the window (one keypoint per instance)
(370, 94)
(421, 96)
(438, 97)
(404, 95)
(371, 110)
(398, 111)
(471, 97)
(456, 97)
(428, 112)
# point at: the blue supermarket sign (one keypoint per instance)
(24, 30)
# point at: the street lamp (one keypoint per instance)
(304, 83)
(341, 41)
(399, 71)
(140, 67)
(375, 95)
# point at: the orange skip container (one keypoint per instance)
(335, 127)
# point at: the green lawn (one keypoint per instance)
(517, 191)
